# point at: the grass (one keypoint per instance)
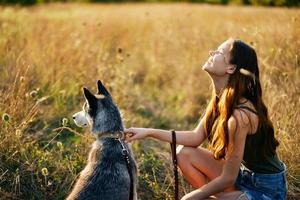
(150, 57)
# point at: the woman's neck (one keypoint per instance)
(219, 84)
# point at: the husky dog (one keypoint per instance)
(109, 173)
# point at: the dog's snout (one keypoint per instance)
(80, 119)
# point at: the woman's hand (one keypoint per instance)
(188, 197)
(185, 198)
(136, 133)
(196, 195)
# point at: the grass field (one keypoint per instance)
(150, 57)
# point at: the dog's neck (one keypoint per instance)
(115, 135)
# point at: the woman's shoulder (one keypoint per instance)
(238, 119)
(247, 105)
(245, 115)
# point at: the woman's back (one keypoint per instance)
(254, 158)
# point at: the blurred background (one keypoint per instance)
(224, 2)
(149, 55)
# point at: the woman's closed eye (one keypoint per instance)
(213, 52)
(218, 52)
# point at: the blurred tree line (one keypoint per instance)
(288, 3)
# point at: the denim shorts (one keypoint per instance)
(258, 186)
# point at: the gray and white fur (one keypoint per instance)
(105, 176)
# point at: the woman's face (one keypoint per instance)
(218, 62)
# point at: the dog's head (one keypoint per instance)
(99, 112)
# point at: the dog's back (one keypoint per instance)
(106, 175)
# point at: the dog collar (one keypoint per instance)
(115, 135)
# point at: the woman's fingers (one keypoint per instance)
(130, 138)
(127, 130)
(129, 134)
(135, 134)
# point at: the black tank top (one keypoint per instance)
(254, 159)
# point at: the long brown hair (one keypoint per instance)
(239, 85)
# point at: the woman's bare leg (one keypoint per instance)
(198, 166)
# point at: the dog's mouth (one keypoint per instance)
(80, 125)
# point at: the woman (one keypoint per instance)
(241, 162)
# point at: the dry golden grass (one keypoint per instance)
(150, 56)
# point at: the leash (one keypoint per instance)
(174, 159)
(120, 136)
(125, 153)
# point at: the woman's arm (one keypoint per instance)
(187, 138)
(238, 130)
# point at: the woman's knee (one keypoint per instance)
(183, 152)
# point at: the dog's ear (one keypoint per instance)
(92, 100)
(102, 89)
